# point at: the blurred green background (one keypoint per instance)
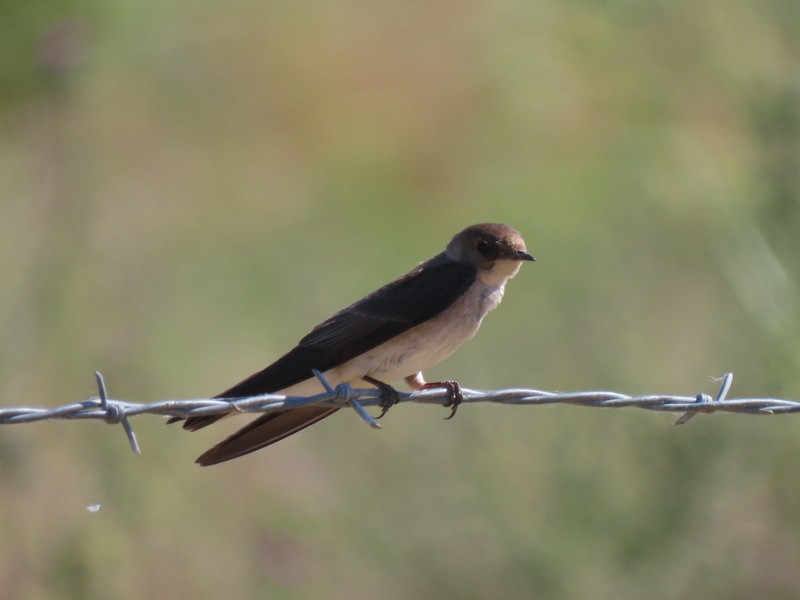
(187, 187)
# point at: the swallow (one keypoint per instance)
(394, 333)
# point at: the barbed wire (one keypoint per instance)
(117, 411)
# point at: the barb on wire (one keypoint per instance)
(117, 411)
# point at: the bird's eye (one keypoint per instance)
(484, 248)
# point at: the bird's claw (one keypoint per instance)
(455, 396)
(389, 395)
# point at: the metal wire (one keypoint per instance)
(117, 411)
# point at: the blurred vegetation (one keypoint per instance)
(187, 187)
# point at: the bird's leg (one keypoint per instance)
(454, 394)
(389, 395)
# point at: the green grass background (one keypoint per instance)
(187, 187)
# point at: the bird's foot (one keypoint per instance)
(389, 395)
(454, 395)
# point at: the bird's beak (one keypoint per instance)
(524, 256)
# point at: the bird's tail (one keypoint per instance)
(265, 430)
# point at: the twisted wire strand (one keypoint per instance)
(114, 411)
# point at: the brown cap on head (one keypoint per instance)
(485, 243)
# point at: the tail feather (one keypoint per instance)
(265, 430)
(195, 423)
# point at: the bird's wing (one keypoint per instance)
(406, 302)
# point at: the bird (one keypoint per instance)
(396, 332)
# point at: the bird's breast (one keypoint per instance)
(429, 343)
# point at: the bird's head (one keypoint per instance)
(496, 250)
